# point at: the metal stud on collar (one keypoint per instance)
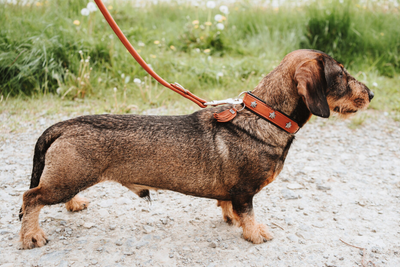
(272, 115)
(288, 125)
(253, 104)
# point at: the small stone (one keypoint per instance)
(294, 186)
(361, 203)
(171, 255)
(164, 220)
(100, 249)
(93, 262)
(88, 225)
(289, 221)
(318, 224)
(106, 203)
(113, 226)
(148, 229)
(289, 194)
(323, 187)
(293, 238)
(119, 243)
(103, 213)
(213, 244)
(376, 249)
(341, 258)
(129, 252)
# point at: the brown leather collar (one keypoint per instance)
(259, 107)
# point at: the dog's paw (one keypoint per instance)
(33, 239)
(257, 234)
(77, 203)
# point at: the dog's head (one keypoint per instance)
(325, 85)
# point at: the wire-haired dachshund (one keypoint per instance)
(191, 154)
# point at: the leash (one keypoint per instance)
(176, 87)
(249, 101)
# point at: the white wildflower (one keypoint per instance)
(140, 43)
(220, 74)
(59, 90)
(123, 75)
(220, 26)
(85, 12)
(275, 4)
(136, 80)
(224, 9)
(127, 79)
(115, 89)
(210, 4)
(375, 84)
(91, 7)
(218, 17)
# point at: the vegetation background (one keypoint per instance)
(56, 57)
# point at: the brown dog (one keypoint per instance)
(192, 154)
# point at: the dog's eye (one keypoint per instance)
(341, 74)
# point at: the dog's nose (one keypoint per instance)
(370, 95)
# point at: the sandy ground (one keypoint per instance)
(337, 184)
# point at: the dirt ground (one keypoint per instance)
(338, 185)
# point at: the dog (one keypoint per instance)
(191, 154)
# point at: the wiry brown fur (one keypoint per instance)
(192, 154)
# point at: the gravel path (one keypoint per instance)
(337, 184)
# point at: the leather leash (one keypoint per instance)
(175, 87)
(249, 101)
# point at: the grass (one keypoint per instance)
(40, 60)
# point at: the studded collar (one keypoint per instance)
(259, 107)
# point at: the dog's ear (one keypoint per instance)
(312, 86)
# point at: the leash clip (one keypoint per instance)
(231, 101)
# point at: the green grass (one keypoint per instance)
(39, 51)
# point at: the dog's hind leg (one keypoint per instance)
(244, 214)
(140, 190)
(31, 235)
(77, 203)
(227, 212)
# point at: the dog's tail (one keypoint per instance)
(42, 145)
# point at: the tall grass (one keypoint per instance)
(359, 36)
(40, 44)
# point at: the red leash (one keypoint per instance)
(175, 87)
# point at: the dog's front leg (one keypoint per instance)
(243, 211)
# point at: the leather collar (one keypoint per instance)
(259, 107)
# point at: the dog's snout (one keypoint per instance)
(370, 95)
